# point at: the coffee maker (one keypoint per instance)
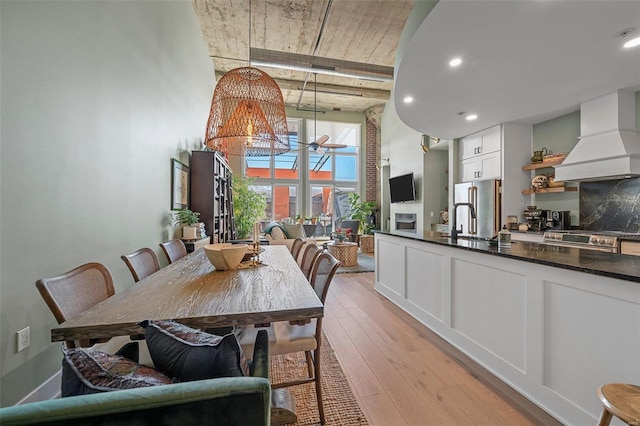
(535, 218)
(557, 220)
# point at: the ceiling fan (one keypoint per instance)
(320, 144)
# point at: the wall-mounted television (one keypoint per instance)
(402, 188)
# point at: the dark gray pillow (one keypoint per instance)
(294, 231)
(188, 354)
(86, 371)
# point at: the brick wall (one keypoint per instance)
(370, 162)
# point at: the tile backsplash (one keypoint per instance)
(612, 205)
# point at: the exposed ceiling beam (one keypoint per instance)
(331, 89)
(320, 65)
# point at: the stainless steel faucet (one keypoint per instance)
(454, 230)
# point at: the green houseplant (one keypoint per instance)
(360, 211)
(187, 218)
(248, 206)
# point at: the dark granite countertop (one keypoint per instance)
(624, 267)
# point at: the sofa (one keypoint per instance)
(220, 401)
(285, 234)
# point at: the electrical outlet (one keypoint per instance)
(24, 338)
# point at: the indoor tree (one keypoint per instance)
(248, 206)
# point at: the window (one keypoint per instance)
(305, 180)
(333, 172)
(336, 164)
(283, 166)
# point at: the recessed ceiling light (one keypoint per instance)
(632, 43)
(471, 117)
(627, 34)
(455, 62)
(408, 99)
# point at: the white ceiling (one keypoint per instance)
(524, 61)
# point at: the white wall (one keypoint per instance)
(96, 98)
(435, 186)
(401, 145)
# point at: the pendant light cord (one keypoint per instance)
(315, 107)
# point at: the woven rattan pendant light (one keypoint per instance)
(247, 115)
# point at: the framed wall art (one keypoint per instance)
(179, 185)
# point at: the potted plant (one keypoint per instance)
(360, 211)
(340, 235)
(187, 218)
(248, 206)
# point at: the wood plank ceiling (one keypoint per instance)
(362, 32)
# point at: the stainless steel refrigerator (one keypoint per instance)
(485, 197)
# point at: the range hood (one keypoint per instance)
(608, 146)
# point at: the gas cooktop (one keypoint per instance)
(608, 241)
(618, 234)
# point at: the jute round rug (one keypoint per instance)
(340, 405)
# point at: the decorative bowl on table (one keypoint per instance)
(225, 256)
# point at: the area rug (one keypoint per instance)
(366, 263)
(340, 405)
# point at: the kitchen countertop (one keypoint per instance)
(590, 261)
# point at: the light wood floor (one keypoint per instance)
(403, 374)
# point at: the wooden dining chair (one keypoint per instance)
(141, 263)
(174, 250)
(309, 256)
(620, 400)
(79, 289)
(285, 338)
(75, 291)
(296, 247)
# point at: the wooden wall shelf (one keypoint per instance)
(542, 165)
(547, 190)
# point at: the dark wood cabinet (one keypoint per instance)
(211, 194)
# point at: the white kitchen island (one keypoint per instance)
(554, 323)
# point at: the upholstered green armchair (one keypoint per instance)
(222, 401)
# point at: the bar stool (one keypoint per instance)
(620, 400)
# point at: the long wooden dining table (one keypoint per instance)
(192, 292)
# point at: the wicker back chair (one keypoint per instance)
(74, 292)
(141, 263)
(174, 250)
(296, 246)
(309, 256)
(285, 338)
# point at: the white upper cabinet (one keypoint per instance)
(480, 155)
(481, 167)
(481, 143)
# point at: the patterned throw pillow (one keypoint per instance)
(294, 231)
(188, 354)
(86, 371)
